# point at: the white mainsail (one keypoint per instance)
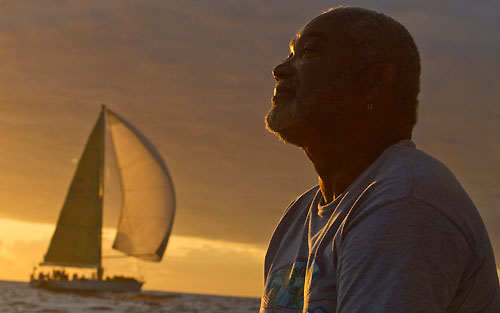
(77, 238)
(148, 204)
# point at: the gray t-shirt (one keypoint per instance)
(403, 238)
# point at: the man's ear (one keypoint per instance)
(377, 79)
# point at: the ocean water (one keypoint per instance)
(18, 297)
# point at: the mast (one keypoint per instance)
(100, 269)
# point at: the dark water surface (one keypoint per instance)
(19, 297)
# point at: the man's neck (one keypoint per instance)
(339, 164)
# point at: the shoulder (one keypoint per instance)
(301, 202)
(402, 171)
(291, 224)
(431, 182)
(296, 212)
(404, 178)
(405, 171)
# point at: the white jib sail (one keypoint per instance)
(148, 204)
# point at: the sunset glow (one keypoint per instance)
(195, 78)
(194, 265)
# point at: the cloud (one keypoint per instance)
(190, 264)
(5, 254)
(197, 265)
(18, 258)
(215, 266)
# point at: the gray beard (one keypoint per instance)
(309, 119)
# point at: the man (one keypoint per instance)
(389, 228)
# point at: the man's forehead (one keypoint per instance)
(321, 27)
(306, 35)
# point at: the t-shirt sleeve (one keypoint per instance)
(402, 257)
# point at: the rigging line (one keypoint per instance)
(144, 188)
(139, 215)
(130, 164)
(73, 225)
(126, 256)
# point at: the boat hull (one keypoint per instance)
(87, 285)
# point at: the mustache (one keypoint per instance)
(284, 88)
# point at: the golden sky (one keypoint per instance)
(195, 78)
(192, 264)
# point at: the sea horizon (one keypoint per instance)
(18, 296)
(158, 290)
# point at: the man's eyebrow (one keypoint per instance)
(306, 36)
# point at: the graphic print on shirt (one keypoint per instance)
(285, 286)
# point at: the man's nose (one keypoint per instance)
(283, 70)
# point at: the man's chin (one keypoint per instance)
(284, 130)
(277, 122)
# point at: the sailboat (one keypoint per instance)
(146, 216)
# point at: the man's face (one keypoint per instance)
(314, 84)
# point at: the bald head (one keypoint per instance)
(378, 38)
